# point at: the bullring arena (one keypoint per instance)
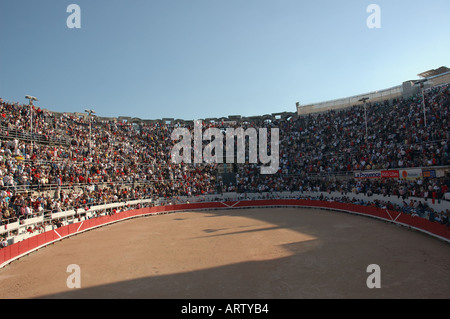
(218, 150)
(257, 249)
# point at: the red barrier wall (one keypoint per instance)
(11, 252)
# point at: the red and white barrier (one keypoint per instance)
(20, 249)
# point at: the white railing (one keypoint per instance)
(18, 230)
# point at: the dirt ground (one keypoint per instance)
(284, 253)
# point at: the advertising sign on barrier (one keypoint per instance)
(371, 174)
(411, 174)
(430, 173)
(390, 174)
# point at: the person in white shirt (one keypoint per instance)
(3, 243)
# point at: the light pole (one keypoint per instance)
(421, 84)
(364, 99)
(30, 104)
(90, 112)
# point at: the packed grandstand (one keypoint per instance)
(52, 162)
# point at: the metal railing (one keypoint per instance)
(11, 226)
(8, 133)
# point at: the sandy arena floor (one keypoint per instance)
(241, 253)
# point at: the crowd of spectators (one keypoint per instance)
(70, 161)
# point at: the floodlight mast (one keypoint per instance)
(30, 104)
(421, 84)
(90, 112)
(364, 99)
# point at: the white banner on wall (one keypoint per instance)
(412, 173)
(371, 174)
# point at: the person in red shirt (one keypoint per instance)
(444, 189)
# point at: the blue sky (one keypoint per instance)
(194, 59)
